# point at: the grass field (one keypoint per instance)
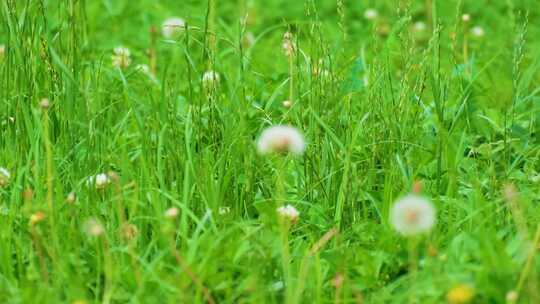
(133, 169)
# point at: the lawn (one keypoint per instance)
(269, 151)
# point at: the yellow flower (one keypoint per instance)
(461, 294)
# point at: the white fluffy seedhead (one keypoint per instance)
(412, 215)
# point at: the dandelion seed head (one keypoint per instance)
(478, 31)
(288, 212)
(371, 14)
(412, 215)
(172, 27)
(281, 139)
(5, 176)
(93, 227)
(121, 57)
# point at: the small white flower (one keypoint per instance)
(281, 139)
(172, 213)
(100, 181)
(466, 17)
(412, 215)
(172, 27)
(210, 79)
(287, 104)
(419, 26)
(478, 31)
(371, 14)
(4, 177)
(121, 57)
(93, 228)
(288, 212)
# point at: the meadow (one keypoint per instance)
(272, 151)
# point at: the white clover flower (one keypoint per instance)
(287, 103)
(281, 139)
(371, 14)
(412, 215)
(210, 79)
(93, 228)
(466, 17)
(121, 57)
(478, 31)
(172, 213)
(419, 26)
(100, 181)
(5, 176)
(288, 212)
(172, 27)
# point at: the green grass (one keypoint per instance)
(457, 112)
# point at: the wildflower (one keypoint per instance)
(93, 228)
(281, 139)
(419, 26)
(287, 104)
(129, 231)
(288, 212)
(460, 294)
(466, 18)
(512, 296)
(100, 181)
(172, 27)
(4, 177)
(121, 58)
(28, 194)
(71, 198)
(2, 51)
(288, 44)
(210, 79)
(36, 218)
(172, 213)
(44, 103)
(371, 14)
(478, 31)
(412, 215)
